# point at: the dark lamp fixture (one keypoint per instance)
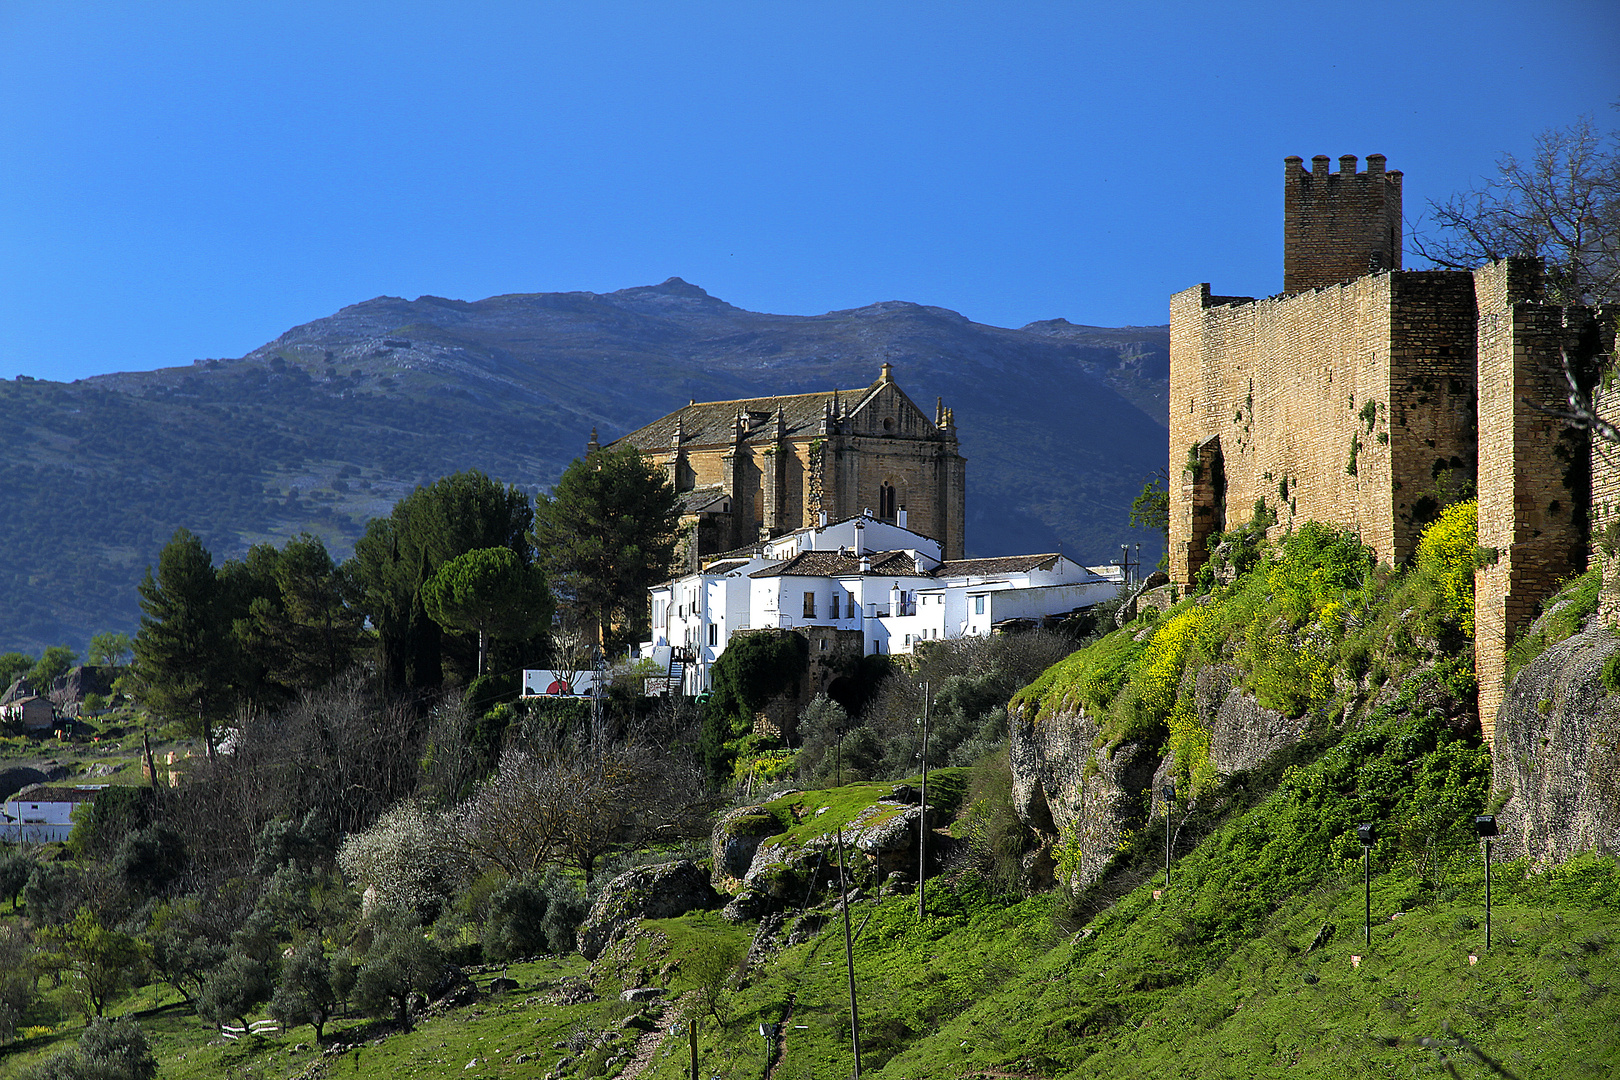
(1485, 824)
(1168, 791)
(1365, 833)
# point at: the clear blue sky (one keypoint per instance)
(181, 180)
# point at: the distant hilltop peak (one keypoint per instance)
(672, 286)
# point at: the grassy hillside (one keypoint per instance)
(1250, 960)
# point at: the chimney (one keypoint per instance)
(860, 538)
(900, 517)
(821, 517)
(866, 564)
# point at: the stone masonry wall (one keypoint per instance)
(1350, 404)
(1534, 489)
(1605, 539)
(1339, 225)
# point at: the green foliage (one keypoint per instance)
(183, 653)
(304, 994)
(434, 524)
(1563, 615)
(291, 617)
(235, 988)
(101, 824)
(14, 665)
(111, 648)
(491, 592)
(16, 866)
(996, 840)
(515, 920)
(754, 668)
(399, 960)
(712, 963)
(606, 533)
(1088, 678)
(103, 959)
(1447, 552)
(150, 861)
(1151, 507)
(53, 892)
(108, 1050)
(52, 664)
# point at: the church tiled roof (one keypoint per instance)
(841, 564)
(711, 423)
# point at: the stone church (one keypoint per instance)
(756, 468)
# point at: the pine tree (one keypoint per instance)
(183, 653)
(606, 533)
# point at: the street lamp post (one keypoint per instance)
(768, 1033)
(1365, 832)
(1169, 793)
(1485, 825)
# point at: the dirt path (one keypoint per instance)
(648, 1042)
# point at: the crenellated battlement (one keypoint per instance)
(1339, 225)
(1371, 397)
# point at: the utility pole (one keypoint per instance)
(849, 958)
(1168, 792)
(1365, 832)
(922, 818)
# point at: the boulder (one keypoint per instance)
(1242, 734)
(1067, 786)
(886, 833)
(735, 839)
(647, 892)
(1557, 750)
(1145, 595)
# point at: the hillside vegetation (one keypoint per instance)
(1249, 959)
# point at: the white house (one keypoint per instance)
(864, 575)
(34, 713)
(44, 812)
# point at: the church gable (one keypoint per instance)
(884, 411)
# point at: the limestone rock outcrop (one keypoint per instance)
(1557, 751)
(1064, 784)
(1068, 783)
(735, 839)
(647, 892)
(881, 840)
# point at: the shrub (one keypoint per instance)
(411, 856)
(753, 669)
(515, 924)
(1446, 550)
(108, 1050)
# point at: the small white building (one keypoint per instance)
(44, 813)
(864, 575)
(33, 713)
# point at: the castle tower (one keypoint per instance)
(1339, 225)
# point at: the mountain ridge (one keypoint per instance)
(336, 418)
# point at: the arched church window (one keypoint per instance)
(886, 501)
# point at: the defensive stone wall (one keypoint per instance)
(1371, 397)
(1352, 403)
(1535, 486)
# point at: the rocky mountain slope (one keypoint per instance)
(330, 423)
